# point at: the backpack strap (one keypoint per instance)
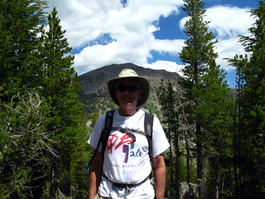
(148, 128)
(103, 137)
(106, 131)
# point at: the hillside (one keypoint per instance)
(94, 93)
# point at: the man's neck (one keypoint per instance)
(127, 111)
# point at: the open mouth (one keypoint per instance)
(128, 99)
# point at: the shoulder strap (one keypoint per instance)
(148, 128)
(106, 131)
(104, 136)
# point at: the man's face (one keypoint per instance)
(128, 93)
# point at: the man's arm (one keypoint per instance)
(160, 176)
(95, 173)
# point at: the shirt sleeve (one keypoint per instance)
(95, 135)
(160, 142)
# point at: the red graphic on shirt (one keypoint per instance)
(125, 139)
(111, 141)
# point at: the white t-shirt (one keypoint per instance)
(126, 158)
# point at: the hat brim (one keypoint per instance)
(144, 83)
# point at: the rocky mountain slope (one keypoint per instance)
(94, 93)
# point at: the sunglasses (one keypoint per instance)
(131, 88)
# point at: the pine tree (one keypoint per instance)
(216, 110)
(209, 107)
(43, 64)
(196, 54)
(19, 21)
(25, 145)
(169, 101)
(59, 86)
(251, 144)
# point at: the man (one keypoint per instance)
(123, 170)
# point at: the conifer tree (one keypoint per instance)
(59, 86)
(19, 21)
(169, 101)
(42, 63)
(196, 54)
(205, 90)
(24, 148)
(250, 156)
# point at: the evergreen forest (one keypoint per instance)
(216, 133)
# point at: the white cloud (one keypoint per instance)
(130, 29)
(96, 56)
(228, 48)
(227, 23)
(168, 65)
(85, 20)
(173, 47)
(104, 32)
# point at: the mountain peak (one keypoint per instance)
(95, 81)
(94, 93)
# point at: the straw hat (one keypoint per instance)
(129, 73)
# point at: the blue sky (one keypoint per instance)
(147, 33)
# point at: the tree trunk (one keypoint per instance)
(199, 152)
